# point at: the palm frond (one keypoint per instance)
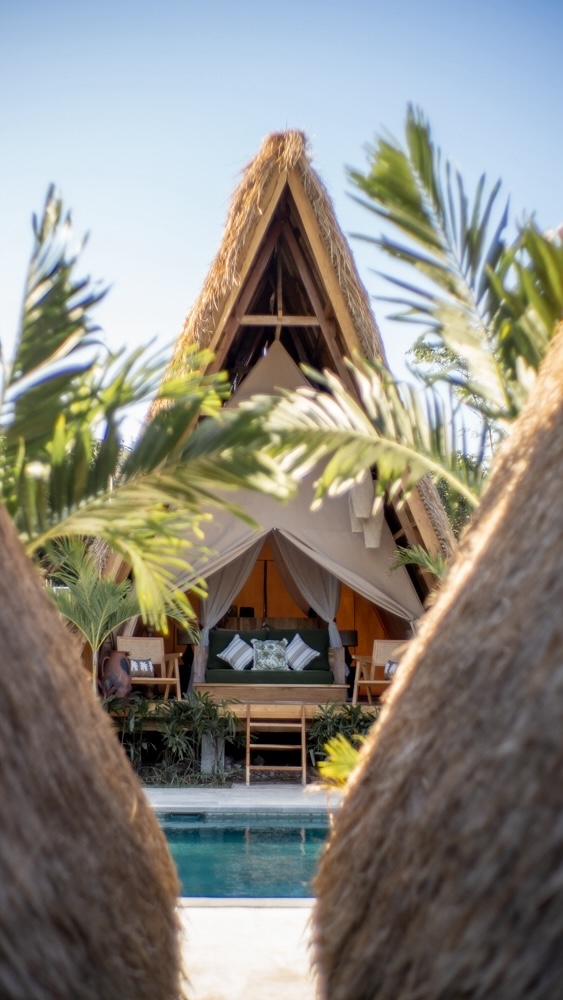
(449, 245)
(64, 471)
(341, 760)
(91, 604)
(416, 555)
(405, 433)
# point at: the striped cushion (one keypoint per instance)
(238, 653)
(299, 654)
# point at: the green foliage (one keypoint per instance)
(488, 313)
(335, 720)
(405, 433)
(488, 310)
(341, 760)
(181, 726)
(64, 471)
(91, 604)
(416, 555)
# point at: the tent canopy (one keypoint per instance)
(311, 547)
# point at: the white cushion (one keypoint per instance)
(299, 654)
(238, 653)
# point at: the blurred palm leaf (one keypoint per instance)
(64, 471)
(341, 760)
(405, 433)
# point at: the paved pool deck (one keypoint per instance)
(247, 949)
(245, 798)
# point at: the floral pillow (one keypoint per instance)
(141, 668)
(269, 654)
(299, 654)
(237, 654)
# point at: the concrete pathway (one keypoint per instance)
(247, 953)
(246, 949)
(252, 798)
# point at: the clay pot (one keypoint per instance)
(116, 673)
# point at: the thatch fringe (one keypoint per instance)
(437, 516)
(280, 151)
(444, 876)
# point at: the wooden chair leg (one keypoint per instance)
(303, 748)
(356, 689)
(247, 744)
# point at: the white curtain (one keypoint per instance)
(287, 577)
(320, 588)
(223, 585)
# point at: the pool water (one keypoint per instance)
(245, 854)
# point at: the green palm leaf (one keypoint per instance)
(426, 202)
(404, 433)
(64, 470)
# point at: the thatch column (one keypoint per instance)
(87, 884)
(444, 876)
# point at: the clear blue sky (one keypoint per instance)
(144, 114)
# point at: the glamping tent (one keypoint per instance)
(282, 291)
(444, 875)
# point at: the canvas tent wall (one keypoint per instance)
(315, 550)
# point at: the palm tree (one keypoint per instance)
(91, 604)
(488, 312)
(64, 470)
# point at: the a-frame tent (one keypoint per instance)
(282, 291)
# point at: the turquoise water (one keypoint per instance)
(245, 854)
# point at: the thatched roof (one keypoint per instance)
(280, 153)
(444, 876)
(437, 516)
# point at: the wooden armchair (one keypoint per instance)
(369, 669)
(166, 665)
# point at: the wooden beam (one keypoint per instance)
(245, 296)
(254, 319)
(269, 203)
(324, 263)
(279, 293)
(326, 325)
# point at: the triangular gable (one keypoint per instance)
(281, 205)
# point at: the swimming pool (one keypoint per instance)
(245, 855)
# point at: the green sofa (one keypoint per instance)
(317, 672)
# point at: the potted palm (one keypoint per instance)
(92, 605)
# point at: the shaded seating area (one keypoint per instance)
(150, 665)
(371, 674)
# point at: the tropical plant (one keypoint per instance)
(64, 471)
(92, 605)
(341, 758)
(488, 311)
(335, 720)
(182, 725)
